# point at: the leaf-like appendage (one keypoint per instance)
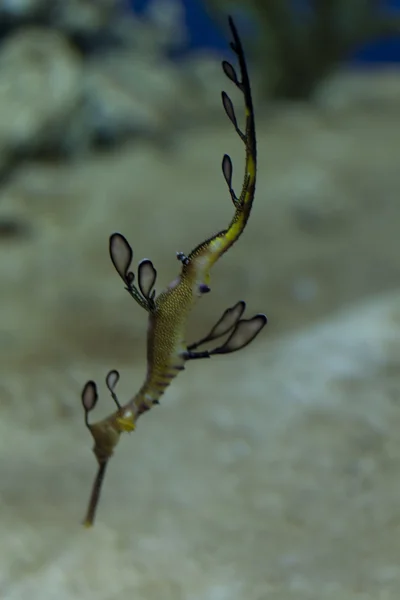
(230, 111)
(121, 255)
(228, 320)
(227, 170)
(224, 325)
(89, 396)
(230, 72)
(112, 380)
(244, 333)
(147, 275)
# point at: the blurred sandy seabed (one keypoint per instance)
(270, 474)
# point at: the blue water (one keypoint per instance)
(204, 33)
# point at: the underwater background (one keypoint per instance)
(270, 474)
(203, 32)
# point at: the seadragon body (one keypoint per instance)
(167, 350)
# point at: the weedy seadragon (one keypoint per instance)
(167, 350)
